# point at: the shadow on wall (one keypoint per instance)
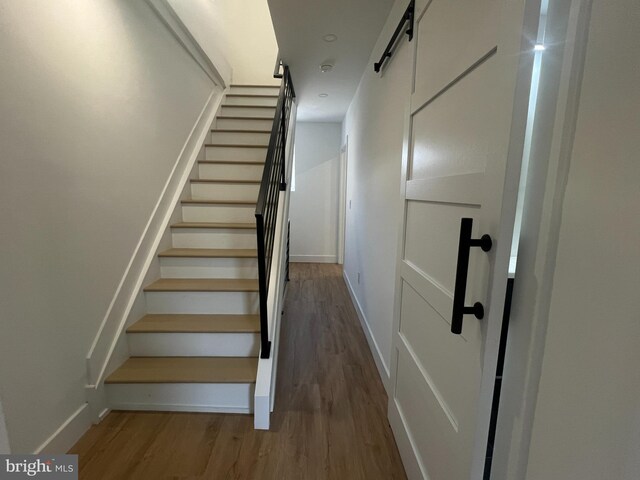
(314, 204)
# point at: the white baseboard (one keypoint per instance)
(168, 407)
(69, 432)
(383, 370)
(314, 259)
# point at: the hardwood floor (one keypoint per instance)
(329, 421)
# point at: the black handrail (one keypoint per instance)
(273, 181)
(406, 17)
(276, 69)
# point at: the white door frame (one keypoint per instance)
(556, 116)
(342, 204)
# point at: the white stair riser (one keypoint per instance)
(219, 213)
(267, 113)
(240, 138)
(213, 238)
(237, 124)
(209, 171)
(236, 153)
(194, 344)
(269, 101)
(203, 302)
(263, 90)
(172, 267)
(225, 191)
(182, 397)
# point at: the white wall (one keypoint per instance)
(374, 125)
(314, 204)
(97, 100)
(240, 30)
(204, 20)
(587, 416)
(251, 41)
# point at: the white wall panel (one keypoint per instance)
(98, 99)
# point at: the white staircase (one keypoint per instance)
(196, 348)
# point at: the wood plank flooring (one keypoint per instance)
(329, 421)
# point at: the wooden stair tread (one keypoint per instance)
(186, 370)
(236, 117)
(232, 182)
(192, 201)
(230, 162)
(235, 145)
(196, 323)
(254, 95)
(253, 86)
(203, 285)
(232, 130)
(273, 107)
(210, 253)
(246, 226)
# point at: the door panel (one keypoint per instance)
(428, 335)
(431, 249)
(452, 35)
(455, 133)
(464, 139)
(427, 418)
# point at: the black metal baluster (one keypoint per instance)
(273, 181)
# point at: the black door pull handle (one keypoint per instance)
(462, 270)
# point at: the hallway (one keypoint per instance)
(330, 419)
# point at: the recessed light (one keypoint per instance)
(326, 67)
(330, 38)
(539, 47)
(323, 95)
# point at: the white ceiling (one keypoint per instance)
(300, 25)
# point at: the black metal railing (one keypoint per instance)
(288, 245)
(273, 182)
(407, 16)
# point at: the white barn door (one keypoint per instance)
(464, 141)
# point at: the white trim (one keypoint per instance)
(314, 258)
(265, 377)
(556, 117)
(342, 211)
(217, 69)
(125, 296)
(383, 370)
(169, 407)
(68, 433)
